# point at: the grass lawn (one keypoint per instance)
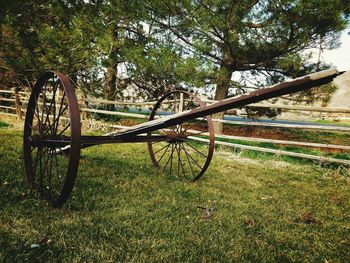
(122, 209)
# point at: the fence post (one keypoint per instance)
(181, 106)
(83, 104)
(18, 104)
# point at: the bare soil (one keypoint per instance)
(278, 134)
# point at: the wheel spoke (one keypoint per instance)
(161, 149)
(186, 154)
(43, 109)
(32, 149)
(58, 172)
(49, 179)
(41, 174)
(163, 153)
(188, 159)
(194, 123)
(37, 158)
(194, 132)
(60, 112)
(188, 104)
(44, 172)
(50, 108)
(64, 152)
(47, 116)
(55, 124)
(194, 160)
(37, 113)
(54, 106)
(63, 130)
(180, 161)
(42, 159)
(205, 156)
(170, 157)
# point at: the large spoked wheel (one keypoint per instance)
(189, 147)
(52, 116)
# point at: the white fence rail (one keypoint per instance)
(19, 99)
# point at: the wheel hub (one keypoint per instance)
(176, 137)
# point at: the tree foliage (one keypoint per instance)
(40, 35)
(162, 45)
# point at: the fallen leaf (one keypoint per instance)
(308, 218)
(249, 222)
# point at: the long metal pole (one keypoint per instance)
(304, 83)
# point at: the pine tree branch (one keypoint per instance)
(188, 42)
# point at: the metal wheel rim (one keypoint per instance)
(211, 138)
(73, 154)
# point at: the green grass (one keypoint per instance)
(333, 122)
(112, 119)
(332, 137)
(3, 124)
(290, 148)
(123, 210)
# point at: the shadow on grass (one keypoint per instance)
(122, 209)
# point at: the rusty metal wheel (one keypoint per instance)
(52, 114)
(190, 145)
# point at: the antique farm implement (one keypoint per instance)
(53, 140)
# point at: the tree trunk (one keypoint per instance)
(222, 86)
(111, 85)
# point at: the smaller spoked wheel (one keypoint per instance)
(189, 147)
(52, 135)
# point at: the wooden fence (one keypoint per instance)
(13, 103)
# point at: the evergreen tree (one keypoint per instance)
(264, 38)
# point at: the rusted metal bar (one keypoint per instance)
(92, 140)
(300, 84)
(87, 141)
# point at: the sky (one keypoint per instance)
(340, 57)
